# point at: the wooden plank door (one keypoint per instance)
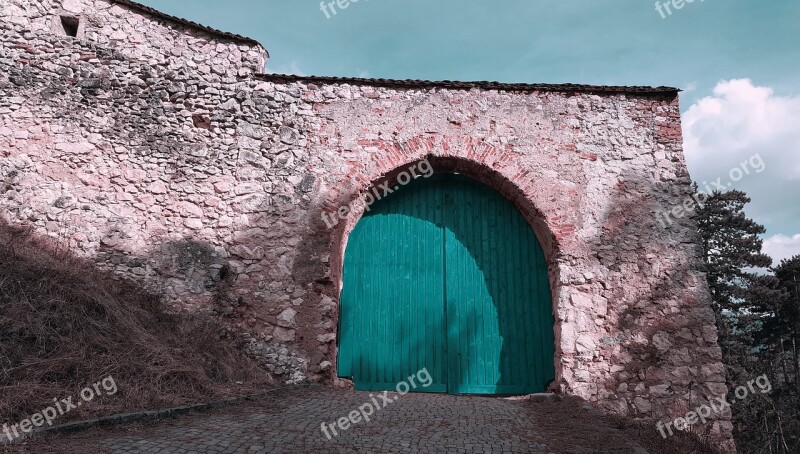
(447, 275)
(498, 304)
(392, 312)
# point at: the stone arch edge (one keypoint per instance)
(473, 158)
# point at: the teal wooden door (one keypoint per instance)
(446, 274)
(392, 319)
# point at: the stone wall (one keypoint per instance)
(208, 189)
(127, 28)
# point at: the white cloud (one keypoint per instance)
(781, 247)
(741, 120)
(291, 68)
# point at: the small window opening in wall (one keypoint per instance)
(70, 25)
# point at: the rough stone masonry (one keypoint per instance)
(156, 148)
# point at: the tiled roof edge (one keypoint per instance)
(392, 83)
(187, 23)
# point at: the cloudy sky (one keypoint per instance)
(738, 62)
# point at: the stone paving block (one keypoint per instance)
(289, 422)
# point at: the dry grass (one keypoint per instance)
(64, 325)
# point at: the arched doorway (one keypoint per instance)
(446, 275)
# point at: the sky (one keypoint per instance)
(738, 62)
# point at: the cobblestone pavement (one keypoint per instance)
(289, 422)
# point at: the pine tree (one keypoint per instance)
(732, 249)
(788, 274)
(785, 324)
(758, 320)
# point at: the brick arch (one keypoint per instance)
(494, 167)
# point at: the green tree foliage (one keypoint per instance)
(758, 320)
(732, 246)
(787, 312)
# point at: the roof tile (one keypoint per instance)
(178, 20)
(488, 85)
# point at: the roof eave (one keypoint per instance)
(190, 24)
(486, 85)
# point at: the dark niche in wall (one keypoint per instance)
(70, 25)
